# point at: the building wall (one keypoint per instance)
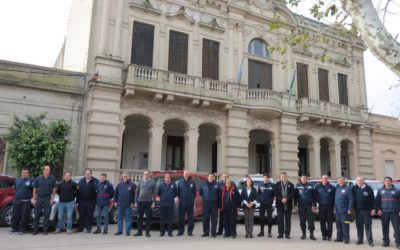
(166, 98)
(386, 145)
(33, 90)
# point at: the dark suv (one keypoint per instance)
(6, 198)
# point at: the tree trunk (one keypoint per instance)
(381, 43)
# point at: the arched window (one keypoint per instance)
(258, 47)
(260, 72)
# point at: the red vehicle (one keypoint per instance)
(158, 177)
(6, 198)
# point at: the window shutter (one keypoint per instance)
(323, 84)
(142, 44)
(210, 59)
(302, 80)
(343, 95)
(260, 75)
(178, 52)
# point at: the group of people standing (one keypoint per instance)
(94, 197)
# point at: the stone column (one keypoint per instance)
(220, 153)
(334, 156)
(230, 74)
(156, 133)
(191, 141)
(314, 151)
(275, 157)
(119, 15)
(105, 18)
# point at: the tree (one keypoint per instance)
(34, 143)
(359, 17)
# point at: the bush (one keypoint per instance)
(33, 143)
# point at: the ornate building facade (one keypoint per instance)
(167, 95)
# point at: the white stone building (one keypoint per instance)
(167, 96)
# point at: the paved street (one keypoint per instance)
(99, 242)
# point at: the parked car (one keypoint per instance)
(158, 177)
(6, 212)
(6, 198)
(258, 180)
(396, 183)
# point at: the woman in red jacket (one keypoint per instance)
(229, 206)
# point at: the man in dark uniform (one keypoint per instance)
(388, 207)
(44, 189)
(124, 200)
(304, 199)
(186, 192)
(167, 192)
(364, 204)
(22, 202)
(266, 199)
(325, 196)
(86, 200)
(210, 191)
(105, 192)
(344, 208)
(284, 193)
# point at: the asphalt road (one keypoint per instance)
(100, 242)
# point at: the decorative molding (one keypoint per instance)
(146, 5)
(181, 12)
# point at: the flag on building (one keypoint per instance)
(240, 73)
(291, 87)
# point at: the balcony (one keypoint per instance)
(263, 103)
(330, 110)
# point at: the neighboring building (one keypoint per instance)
(166, 96)
(33, 90)
(386, 146)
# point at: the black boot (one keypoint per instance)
(312, 237)
(261, 234)
(303, 236)
(269, 231)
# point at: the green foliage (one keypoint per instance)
(34, 143)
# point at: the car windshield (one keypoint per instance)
(397, 185)
(375, 185)
(256, 184)
(160, 179)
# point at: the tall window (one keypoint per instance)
(260, 75)
(142, 44)
(210, 59)
(258, 47)
(343, 96)
(302, 80)
(178, 52)
(323, 84)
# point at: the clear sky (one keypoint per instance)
(32, 31)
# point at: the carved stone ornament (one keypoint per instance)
(181, 12)
(146, 5)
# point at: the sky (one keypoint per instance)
(33, 31)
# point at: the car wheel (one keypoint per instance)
(113, 216)
(6, 216)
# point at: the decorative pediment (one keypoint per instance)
(146, 5)
(212, 23)
(181, 12)
(390, 151)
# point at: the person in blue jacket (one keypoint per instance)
(249, 201)
(167, 191)
(105, 192)
(266, 199)
(124, 200)
(22, 202)
(186, 192)
(344, 208)
(325, 196)
(304, 199)
(388, 207)
(364, 208)
(209, 192)
(229, 204)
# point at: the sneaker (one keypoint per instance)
(69, 231)
(260, 234)
(57, 231)
(88, 231)
(105, 232)
(21, 233)
(137, 234)
(371, 244)
(97, 231)
(118, 233)
(35, 232)
(148, 235)
(13, 231)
